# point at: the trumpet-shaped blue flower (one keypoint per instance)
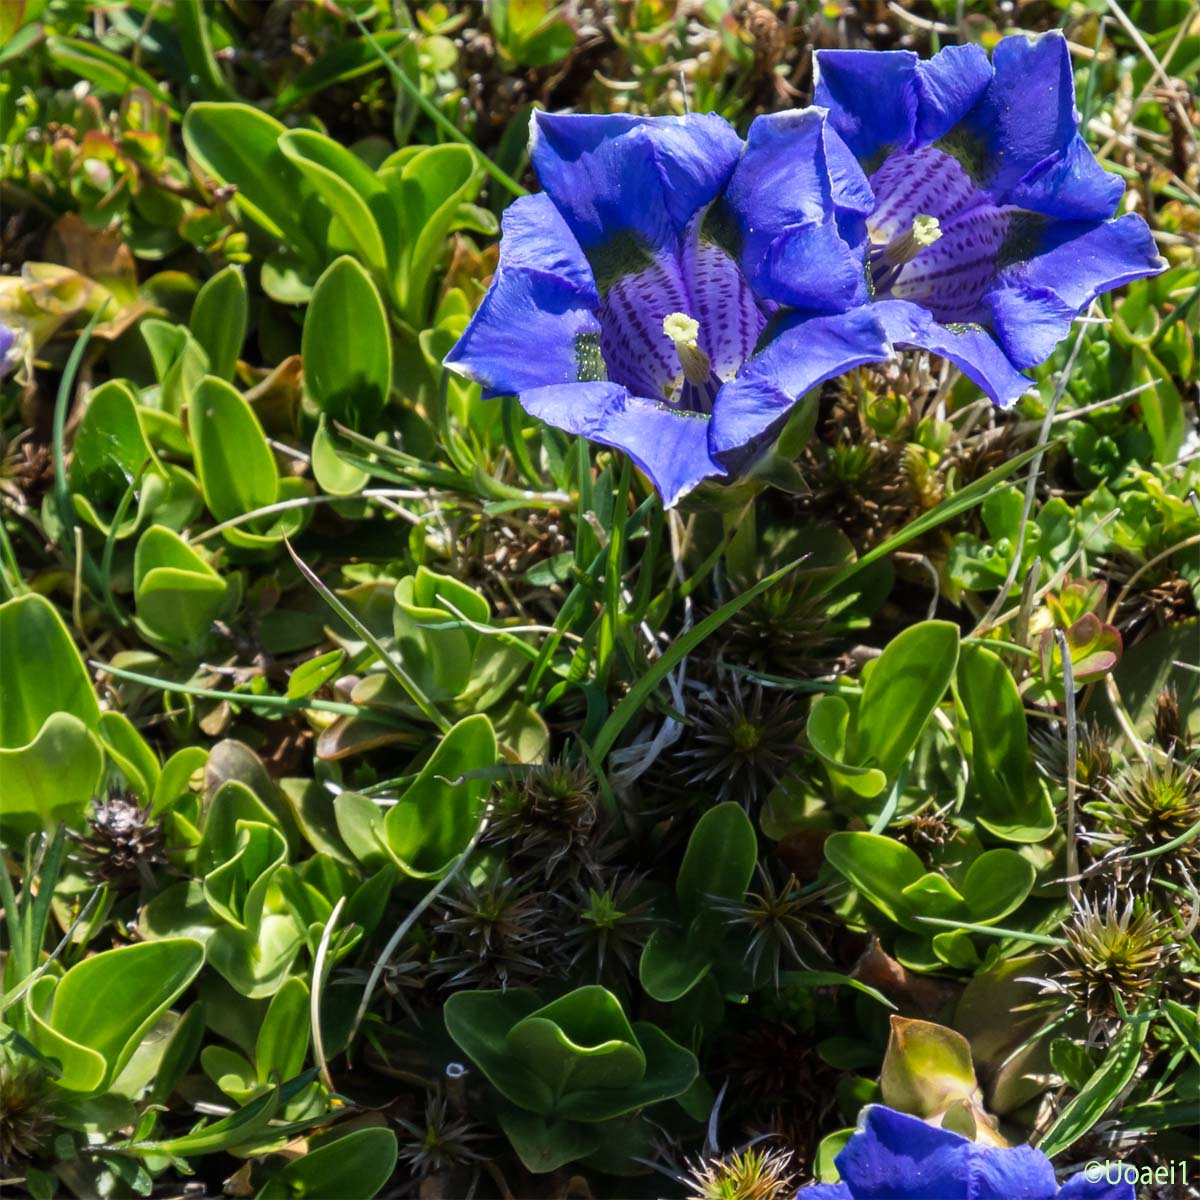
(990, 229)
(673, 291)
(893, 1156)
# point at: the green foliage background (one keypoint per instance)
(395, 800)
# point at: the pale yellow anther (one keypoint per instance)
(684, 331)
(924, 232)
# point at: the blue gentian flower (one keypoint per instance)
(673, 291)
(894, 1156)
(990, 230)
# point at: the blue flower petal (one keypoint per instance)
(1026, 126)
(825, 1191)
(871, 96)
(805, 350)
(971, 348)
(894, 1156)
(948, 85)
(1029, 321)
(1027, 115)
(1079, 1188)
(619, 174)
(1075, 187)
(1079, 260)
(1070, 263)
(543, 295)
(797, 201)
(669, 445)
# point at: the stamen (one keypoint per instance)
(887, 260)
(924, 232)
(684, 332)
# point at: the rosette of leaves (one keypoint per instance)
(980, 564)
(716, 871)
(863, 740)
(443, 637)
(51, 756)
(894, 881)
(570, 1072)
(118, 482)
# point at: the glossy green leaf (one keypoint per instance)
(881, 868)
(353, 1166)
(233, 461)
(432, 822)
(356, 199)
(219, 319)
(1012, 803)
(109, 71)
(347, 347)
(109, 1001)
(282, 1044)
(719, 861)
(50, 757)
(177, 594)
(1100, 1092)
(996, 884)
(903, 687)
(237, 144)
(44, 673)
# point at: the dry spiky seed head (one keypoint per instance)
(546, 813)
(1150, 805)
(27, 1114)
(782, 631)
(123, 843)
(1169, 727)
(441, 1141)
(1113, 951)
(776, 921)
(750, 1174)
(744, 736)
(494, 933)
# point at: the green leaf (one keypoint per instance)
(130, 753)
(219, 319)
(903, 687)
(828, 728)
(237, 144)
(282, 1044)
(719, 861)
(672, 964)
(996, 883)
(432, 822)
(50, 757)
(544, 1145)
(44, 673)
(1100, 1092)
(353, 1166)
(110, 72)
(192, 22)
(355, 198)
(108, 1002)
(1186, 1024)
(236, 467)
(881, 868)
(347, 347)
(1012, 803)
(347, 60)
(177, 595)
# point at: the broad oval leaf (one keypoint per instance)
(346, 347)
